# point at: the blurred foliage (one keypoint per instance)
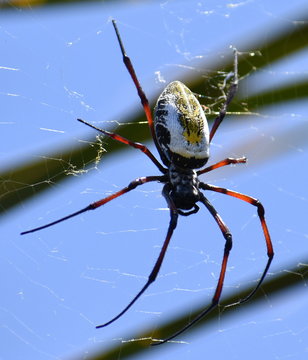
(9, 4)
(292, 276)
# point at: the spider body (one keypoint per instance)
(184, 188)
(180, 132)
(181, 128)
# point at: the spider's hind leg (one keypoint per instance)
(159, 261)
(215, 300)
(261, 214)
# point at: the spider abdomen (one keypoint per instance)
(181, 127)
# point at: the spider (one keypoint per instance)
(182, 138)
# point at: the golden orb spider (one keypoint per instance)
(181, 135)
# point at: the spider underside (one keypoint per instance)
(181, 135)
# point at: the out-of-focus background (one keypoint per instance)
(61, 62)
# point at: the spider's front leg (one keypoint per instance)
(159, 261)
(130, 68)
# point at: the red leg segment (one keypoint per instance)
(96, 204)
(222, 163)
(123, 140)
(142, 96)
(260, 209)
(228, 245)
(159, 261)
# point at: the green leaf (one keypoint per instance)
(137, 344)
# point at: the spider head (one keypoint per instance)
(184, 187)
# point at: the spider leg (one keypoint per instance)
(230, 95)
(260, 209)
(228, 245)
(222, 163)
(123, 140)
(156, 268)
(142, 96)
(131, 186)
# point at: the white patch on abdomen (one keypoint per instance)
(181, 114)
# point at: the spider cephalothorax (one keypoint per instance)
(181, 135)
(184, 188)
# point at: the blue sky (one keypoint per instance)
(64, 63)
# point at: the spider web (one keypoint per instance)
(64, 63)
